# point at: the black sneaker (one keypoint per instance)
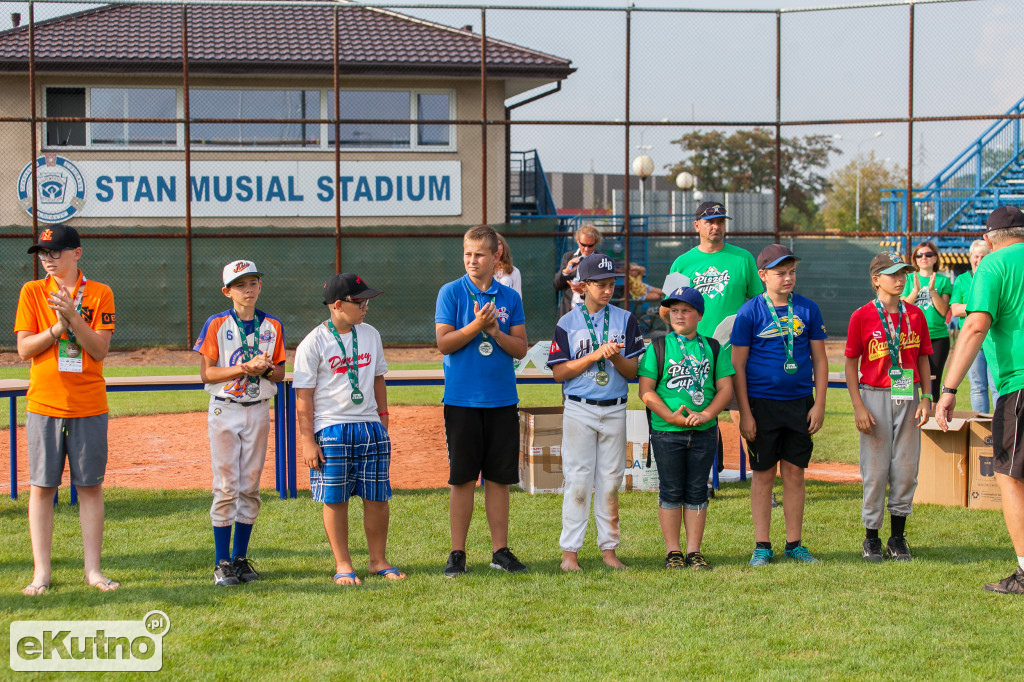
(898, 549)
(872, 550)
(1014, 584)
(505, 560)
(697, 562)
(456, 564)
(224, 575)
(675, 560)
(244, 570)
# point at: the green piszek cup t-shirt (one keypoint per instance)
(726, 279)
(677, 380)
(937, 328)
(998, 290)
(961, 291)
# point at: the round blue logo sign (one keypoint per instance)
(60, 185)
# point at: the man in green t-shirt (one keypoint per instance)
(725, 275)
(995, 307)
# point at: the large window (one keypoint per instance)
(282, 104)
(294, 108)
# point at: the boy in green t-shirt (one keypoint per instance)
(685, 396)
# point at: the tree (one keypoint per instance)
(744, 161)
(840, 206)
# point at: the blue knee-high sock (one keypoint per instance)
(242, 533)
(222, 543)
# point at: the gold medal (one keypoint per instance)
(602, 378)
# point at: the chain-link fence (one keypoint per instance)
(313, 137)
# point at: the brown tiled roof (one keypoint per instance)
(279, 38)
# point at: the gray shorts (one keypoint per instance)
(83, 440)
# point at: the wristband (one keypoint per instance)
(926, 397)
(50, 330)
(382, 414)
(269, 373)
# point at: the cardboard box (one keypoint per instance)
(942, 476)
(638, 476)
(539, 427)
(540, 470)
(982, 491)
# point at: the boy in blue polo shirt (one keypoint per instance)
(777, 340)
(593, 354)
(480, 327)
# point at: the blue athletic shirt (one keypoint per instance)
(755, 329)
(572, 340)
(471, 379)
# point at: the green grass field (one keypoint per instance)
(839, 619)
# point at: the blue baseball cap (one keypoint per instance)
(687, 295)
(596, 266)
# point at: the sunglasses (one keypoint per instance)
(712, 212)
(924, 254)
(587, 246)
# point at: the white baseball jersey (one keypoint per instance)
(220, 341)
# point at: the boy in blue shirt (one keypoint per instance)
(777, 340)
(593, 354)
(480, 327)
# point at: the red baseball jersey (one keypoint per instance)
(866, 339)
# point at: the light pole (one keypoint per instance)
(643, 167)
(857, 210)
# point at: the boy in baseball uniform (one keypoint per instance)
(888, 343)
(594, 352)
(341, 406)
(241, 361)
(64, 323)
(778, 352)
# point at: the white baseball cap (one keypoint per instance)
(239, 268)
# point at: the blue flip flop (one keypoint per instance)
(390, 571)
(351, 576)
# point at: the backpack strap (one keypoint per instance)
(658, 344)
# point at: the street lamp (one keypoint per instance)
(857, 213)
(643, 167)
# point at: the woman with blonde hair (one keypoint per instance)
(979, 373)
(930, 291)
(504, 271)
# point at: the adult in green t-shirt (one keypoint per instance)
(930, 290)
(725, 275)
(995, 307)
(980, 375)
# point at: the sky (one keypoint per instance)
(719, 66)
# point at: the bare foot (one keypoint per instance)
(611, 559)
(34, 590)
(389, 572)
(570, 562)
(349, 578)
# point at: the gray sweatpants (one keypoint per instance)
(889, 455)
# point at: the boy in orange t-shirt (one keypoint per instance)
(64, 323)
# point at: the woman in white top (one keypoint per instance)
(504, 271)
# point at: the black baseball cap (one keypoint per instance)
(596, 266)
(710, 210)
(56, 237)
(346, 285)
(1004, 218)
(772, 255)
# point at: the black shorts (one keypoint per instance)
(1008, 434)
(781, 433)
(482, 440)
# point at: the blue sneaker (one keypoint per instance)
(801, 553)
(761, 557)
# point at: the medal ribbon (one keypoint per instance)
(473, 296)
(692, 365)
(353, 366)
(894, 345)
(789, 334)
(79, 295)
(593, 333)
(247, 353)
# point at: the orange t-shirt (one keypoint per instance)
(65, 394)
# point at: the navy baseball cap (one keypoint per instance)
(710, 210)
(57, 237)
(772, 255)
(1004, 218)
(596, 266)
(687, 295)
(347, 285)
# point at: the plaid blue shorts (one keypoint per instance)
(356, 461)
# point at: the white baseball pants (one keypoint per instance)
(238, 450)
